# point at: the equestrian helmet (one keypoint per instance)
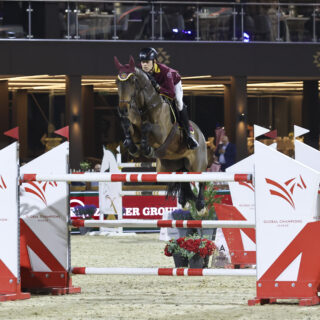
(148, 54)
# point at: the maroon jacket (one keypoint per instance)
(167, 78)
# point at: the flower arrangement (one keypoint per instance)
(190, 246)
(85, 212)
(210, 197)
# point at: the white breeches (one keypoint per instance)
(179, 95)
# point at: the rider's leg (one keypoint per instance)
(184, 119)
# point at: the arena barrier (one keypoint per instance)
(240, 245)
(287, 226)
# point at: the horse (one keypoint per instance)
(146, 118)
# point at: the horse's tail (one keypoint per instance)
(173, 189)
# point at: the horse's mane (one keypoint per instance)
(152, 97)
(142, 77)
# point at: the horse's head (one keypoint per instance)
(126, 84)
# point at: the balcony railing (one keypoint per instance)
(160, 20)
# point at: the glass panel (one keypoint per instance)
(13, 23)
(155, 21)
(217, 23)
(298, 21)
(178, 22)
(134, 21)
(92, 21)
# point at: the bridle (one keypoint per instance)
(137, 92)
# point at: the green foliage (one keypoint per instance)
(85, 165)
(210, 197)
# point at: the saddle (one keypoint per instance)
(174, 115)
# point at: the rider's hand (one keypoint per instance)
(155, 84)
(157, 87)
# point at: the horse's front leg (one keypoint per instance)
(200, 203)
(128, 142)
(145, 148)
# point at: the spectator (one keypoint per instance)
(225, 153)
(95, 184)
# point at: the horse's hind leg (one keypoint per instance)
(200, 203)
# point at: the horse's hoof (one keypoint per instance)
(127, 143)
(200, 205)
(133, 150)
(146, 150)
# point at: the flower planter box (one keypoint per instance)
(196, 262)
(180, 261)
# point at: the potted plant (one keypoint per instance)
(85, 166)
(172, 249)
(193, 248)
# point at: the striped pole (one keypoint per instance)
(165, 271)
(139, 177)
(143, 193)
(137, 165)
(210, 224)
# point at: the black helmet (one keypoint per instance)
(148, 54)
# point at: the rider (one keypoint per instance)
(167, 82)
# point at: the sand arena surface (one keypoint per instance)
(147, 297)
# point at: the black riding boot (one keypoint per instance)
(184, 121)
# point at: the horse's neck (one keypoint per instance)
(149, 95)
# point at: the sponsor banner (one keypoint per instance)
(147, 207)
(134, 207)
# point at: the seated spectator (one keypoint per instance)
(95, 184)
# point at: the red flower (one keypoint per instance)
(166, 252)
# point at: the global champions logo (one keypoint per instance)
(286, 190)
(38, 189)
(247, 185)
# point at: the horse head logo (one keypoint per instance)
(286, 189)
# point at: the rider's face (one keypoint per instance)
(147, 65)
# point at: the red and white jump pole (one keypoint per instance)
(163, 223)
(164, 271)
(139, 177)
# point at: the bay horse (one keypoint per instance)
(146, 118)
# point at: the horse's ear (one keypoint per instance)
(131, 64)
(117, 63)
